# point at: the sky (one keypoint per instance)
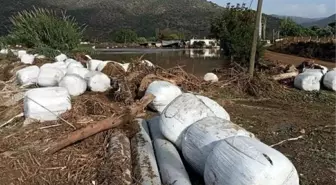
(301, 8)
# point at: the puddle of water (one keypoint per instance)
(196, 61)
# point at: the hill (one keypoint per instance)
(103, 17)
(298, 20)
(321, 23)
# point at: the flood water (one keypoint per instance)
(196, 61)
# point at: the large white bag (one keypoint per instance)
(74, 64)
(69, 60)
(21, 53)
(164, 93)
(59, 65)
(184, 111)
(101, 66)
(242, 160)
(307, 82)
(78, 71)
(314, 72)
(27, 75)
(45, 104)
(201, 137)
(92, 64)
(168, 159)
(75, 84)
(49, 76)
(61, 58)
(329, 80)
(97, 81)
(27, 59)
(146, 169)
(4, 51)
(210, 77)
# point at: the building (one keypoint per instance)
(208, 42)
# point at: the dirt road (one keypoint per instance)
(292, 59)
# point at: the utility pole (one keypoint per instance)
(255, 39)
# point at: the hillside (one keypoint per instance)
(103, 17)
(321, 23)
(298, 20)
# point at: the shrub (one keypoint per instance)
(42, 28)
(234, 28)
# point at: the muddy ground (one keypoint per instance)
(278, 114)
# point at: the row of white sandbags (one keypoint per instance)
(195, 123)
(310, 80)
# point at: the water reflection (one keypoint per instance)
(196, 61)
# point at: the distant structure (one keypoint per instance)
(208, 42)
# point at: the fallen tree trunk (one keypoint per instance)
(135, 110)
(285, 75)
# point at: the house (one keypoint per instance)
(208, 42)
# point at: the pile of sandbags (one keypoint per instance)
(219, 150)
(46, 104)
(49, 76)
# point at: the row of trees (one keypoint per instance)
(130, 36)
(289, 28)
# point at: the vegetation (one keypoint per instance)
(234, 28)
(289, 28)
(102, 17)
(125, 36)
(45, 28)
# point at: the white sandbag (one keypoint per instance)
(148, 63)
(27, 75)
(21, 53)
(75, 84)
(27, 58)
(61, 58)
(145, 169)
(74, 64)
(92, 64)
(38, 56)
(307, 82)
(59, 65)
(168, 159)
(242, 160)
(314, 72)
(202, 136)
(184, 111)
(46, 104)
(4, 51)
(210, 77)
(49, 76)
(164, 93)
(78, 71)
(69, 60)
(97, 81)
(125, 66)
(329, 80)
(101, 66)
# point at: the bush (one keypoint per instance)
(234, 28)
(125, 36)
(42, 28)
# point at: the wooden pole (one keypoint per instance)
(255, 39)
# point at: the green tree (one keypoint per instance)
(42, 28)
(142, 40)
(234, 28)
(289, 28)
(125, 36)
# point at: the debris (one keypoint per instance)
(285, 75)
(94, 128)
(286, 140)
(10, 120)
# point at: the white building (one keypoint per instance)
(208, 42)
